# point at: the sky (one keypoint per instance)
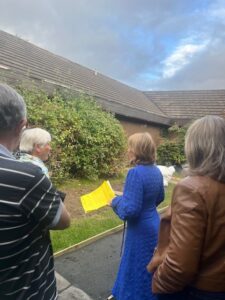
(146, 44)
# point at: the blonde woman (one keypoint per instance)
(193, 267)
(142, 193)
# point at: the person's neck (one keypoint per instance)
(8, 144)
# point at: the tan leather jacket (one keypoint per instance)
(196, 252)
(163, 241)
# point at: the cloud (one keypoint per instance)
(182, 55)
(205, 71)
(147, 44)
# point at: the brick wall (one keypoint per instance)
(134, 127)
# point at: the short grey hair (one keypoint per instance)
(33, 136)
(205, 147)
(12, 108)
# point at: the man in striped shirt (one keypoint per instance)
(29, 207)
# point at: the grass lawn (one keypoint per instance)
(93, 224)
(84, 228)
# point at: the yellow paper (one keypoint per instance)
(98, 198)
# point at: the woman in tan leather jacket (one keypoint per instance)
(193, 265)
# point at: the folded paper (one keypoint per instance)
(98, 198)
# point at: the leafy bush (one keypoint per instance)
(171, 151)
(86, 141)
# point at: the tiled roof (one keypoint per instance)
(189, 104)
(20, 59)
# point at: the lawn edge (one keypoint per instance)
(89, 240)
(95, 238)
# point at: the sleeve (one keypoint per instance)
(181, 261)
(41, 202)
(129, 205)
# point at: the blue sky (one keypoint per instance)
(147, 44)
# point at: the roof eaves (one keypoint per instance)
(128, 111)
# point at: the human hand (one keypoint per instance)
(118, 193)
(156, 260)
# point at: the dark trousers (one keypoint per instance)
(192, 294)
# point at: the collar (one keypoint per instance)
(30, 157)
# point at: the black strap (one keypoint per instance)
(124, 228)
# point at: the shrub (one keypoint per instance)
(171, 151)
(86, 141)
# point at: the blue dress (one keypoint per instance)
(143, 191)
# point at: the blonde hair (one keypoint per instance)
(205, 147)
(143, 147)
(33, 136)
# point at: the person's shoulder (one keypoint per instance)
(32, 169)
(134, 171)
(144, 171)
(25, 168)
(148, 169)
(201, 185)
(23, 173)
(194, 182)
(196, 192)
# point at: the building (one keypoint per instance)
(24, 63)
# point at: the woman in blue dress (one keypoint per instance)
(142, 193)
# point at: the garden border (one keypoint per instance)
(95, 238)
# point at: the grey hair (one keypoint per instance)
(33, 136)
(12, 108)
(205, 147)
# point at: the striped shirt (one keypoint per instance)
(28, 207)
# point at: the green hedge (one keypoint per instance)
(171, 150)
(170, 153)
(86, 141)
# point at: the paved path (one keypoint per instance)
(69, 292)
(90, 270)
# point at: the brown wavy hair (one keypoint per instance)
(205, 147)
(143, 147)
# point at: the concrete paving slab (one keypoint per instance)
(67, 291)
(92, 268)
(73, 293)
(62, 283)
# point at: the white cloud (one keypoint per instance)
(181, 57)
(132, 41)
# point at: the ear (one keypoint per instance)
(36, 150)
(22, 124)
